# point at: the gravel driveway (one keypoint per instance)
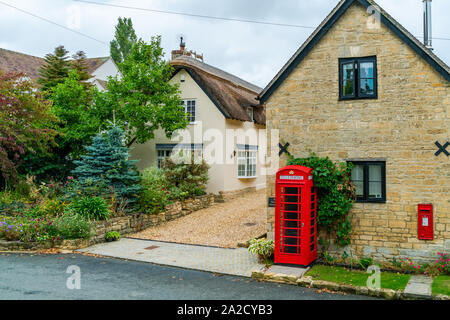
(222, 225)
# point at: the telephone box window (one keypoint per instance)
(369, 180)
(295, 216)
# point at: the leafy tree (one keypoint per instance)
(25, 123)
(107, 164)
(72, 105)
(144, 100)
(55, 70)
(125, 38)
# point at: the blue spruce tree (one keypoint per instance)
(106, 166)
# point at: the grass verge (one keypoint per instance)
(389, 280)
(441, 285)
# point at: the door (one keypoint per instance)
(291, 220)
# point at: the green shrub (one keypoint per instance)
(154, 194)
(92, 208)
(186, 180)
(51, 208)
(264, 248)
(112, 235)
(365, 262)
(22, 188)
(73, 226)
(335, 193)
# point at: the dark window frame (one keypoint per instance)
(365, 198)
(357, 95)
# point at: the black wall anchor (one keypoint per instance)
(442, 149)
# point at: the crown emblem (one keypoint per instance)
(291, 172)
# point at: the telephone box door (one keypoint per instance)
(295, 220)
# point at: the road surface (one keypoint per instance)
(33, 276)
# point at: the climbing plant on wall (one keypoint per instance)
(335, 193)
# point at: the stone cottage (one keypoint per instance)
(362, 89)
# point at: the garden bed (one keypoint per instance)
(124, 225)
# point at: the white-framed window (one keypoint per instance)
(190, 108)
(246, 163)
(162, 155)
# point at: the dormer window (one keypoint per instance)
(250, 113)
(358, 78)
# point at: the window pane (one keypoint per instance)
(375, 190)
(366, 70)
(348, 79)
(375, 173)
(367, 87)
(359, 188)
(358, 179)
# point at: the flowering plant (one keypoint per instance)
(442, 263)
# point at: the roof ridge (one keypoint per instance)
(232, 79)
(392, 24)
(21, 53)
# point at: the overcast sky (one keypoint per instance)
(253, 52)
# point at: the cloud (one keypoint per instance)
(254, 52)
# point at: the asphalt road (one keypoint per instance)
(27, 276)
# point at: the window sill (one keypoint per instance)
(358, 98)
(247, 177)
(371, 201)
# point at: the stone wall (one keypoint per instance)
(125, 225)
(411, 113)
(225, 196)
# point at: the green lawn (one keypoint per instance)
(395, 281)
(441, 285)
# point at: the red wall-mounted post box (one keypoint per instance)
(425, 223)
(295, 216)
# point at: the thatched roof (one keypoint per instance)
(11, 61)
(231, 95)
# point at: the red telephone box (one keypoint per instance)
(425, 223)
(295, 216)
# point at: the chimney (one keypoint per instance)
(427, 34)
(182, 44)
(178, 53)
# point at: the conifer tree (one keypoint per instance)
(79, 63)
(106, 164)
(55, 70)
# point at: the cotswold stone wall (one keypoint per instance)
(411, 113)
(125, 225)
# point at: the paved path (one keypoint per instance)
(419, 287)
(221, 260)
(26, 276)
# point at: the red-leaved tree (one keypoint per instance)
(26, 124)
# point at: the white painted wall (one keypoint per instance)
(223, 177)
(107, 69)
